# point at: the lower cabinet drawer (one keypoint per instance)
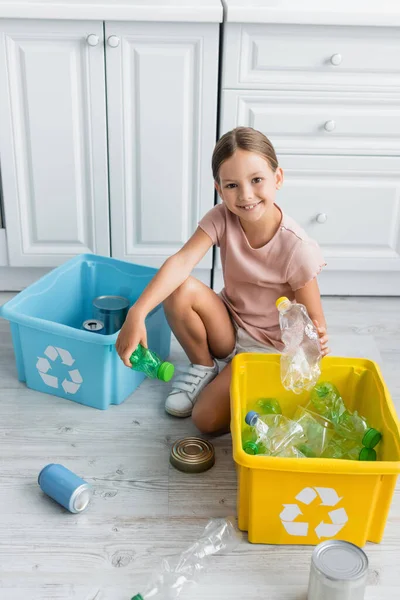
(350, 205)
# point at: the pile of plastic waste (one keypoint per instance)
(324, 428)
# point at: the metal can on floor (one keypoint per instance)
(112, 311)
(65, 487)
(192, 455)
(93, 325)
(338, 572)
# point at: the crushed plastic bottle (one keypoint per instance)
(148, 362)
(178, 575)
(300, 360)
(341, 448)
(318, 432)
(268, 406)
(275, 432)
(327, 401)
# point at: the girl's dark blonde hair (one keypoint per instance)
(245, 138)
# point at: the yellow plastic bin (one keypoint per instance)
(306, 501)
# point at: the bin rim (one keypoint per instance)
(9, 310)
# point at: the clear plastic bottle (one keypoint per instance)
(178, 575)
(318, 431)
(148, 362)
(327, 401)
(275, 432)
(300, 360)
(339, 447)
(268, 406)
(250, 444)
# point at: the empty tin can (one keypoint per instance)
(93, 325)
(192, 455)
(65, 487)
(112, 311)
(338, 572)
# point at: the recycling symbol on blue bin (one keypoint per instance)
(70, 384)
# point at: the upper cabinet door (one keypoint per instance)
(162, 108)
(53, 140)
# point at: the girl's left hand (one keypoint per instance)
(323, 338)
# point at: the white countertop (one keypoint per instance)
(321, 12)
(115, 10)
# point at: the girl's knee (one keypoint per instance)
(205, 421)
(209, 419)
(181, 295)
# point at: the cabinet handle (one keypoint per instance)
(321, 218)
(113, 41)
(92, 39)
(336, 59)
(330, 125)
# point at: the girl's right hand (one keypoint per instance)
(133, 333)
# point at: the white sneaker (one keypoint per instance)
(186, 388)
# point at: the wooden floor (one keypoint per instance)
(142, 508)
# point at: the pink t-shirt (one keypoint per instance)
(256, 277)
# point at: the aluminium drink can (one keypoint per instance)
(65, 487)
(93, 325)
(112, 311)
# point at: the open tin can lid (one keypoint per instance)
(110, 304)
(192, 455)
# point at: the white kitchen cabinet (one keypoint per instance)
(327, 94)
(106, 135)
(53, 140)
(162, 93)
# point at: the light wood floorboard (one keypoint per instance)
(143, 509)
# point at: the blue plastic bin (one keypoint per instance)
(55, 355)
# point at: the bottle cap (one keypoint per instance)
(192, 455)
(371, 438)
(251, 418)
(250, 448)
(281, 302)
(367, 454)
(137, 597)
(165, 371)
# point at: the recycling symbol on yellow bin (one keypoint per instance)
(70, 384)
(329, 498)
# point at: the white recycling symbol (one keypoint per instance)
(329, 497)
(70, 386)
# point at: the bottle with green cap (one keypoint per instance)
(250, 443)
(301, 356)
(148, 362)
(327, 401)
(347, 449)
(274, 432)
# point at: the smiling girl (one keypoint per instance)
(264, 255)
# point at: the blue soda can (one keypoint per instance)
(65, 487)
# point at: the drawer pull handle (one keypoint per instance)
(321, 218)
(336, 59)
(330, 125)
